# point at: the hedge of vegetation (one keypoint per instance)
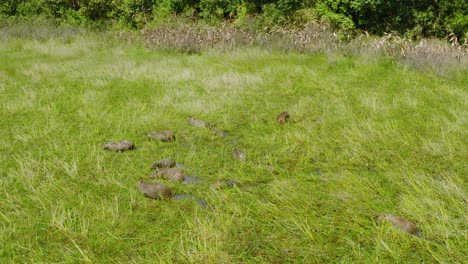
(439, 18)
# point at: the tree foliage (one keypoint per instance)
(412, 17)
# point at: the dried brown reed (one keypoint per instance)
(437, 55)
(434, 54)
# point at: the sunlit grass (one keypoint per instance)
(364, 138)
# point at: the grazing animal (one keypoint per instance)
(164, 136)
(283, 118)
(400, 223)
(164, 163)
(154, 190)
(239, 155)
(119, 146)
(171, 174)
(198, 122)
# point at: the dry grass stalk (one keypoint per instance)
(436, 55)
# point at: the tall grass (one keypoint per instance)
(39, 29)
(365, 137)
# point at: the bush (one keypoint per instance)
(218, 10)
(98, 10)
(455, 18)
(133, 13)
(335, 19)
(168, 7)
(414, 18)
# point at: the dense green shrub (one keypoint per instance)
(20, 8)
(96, 10)
(411, 17)
(424, 18)
(217, 10)
(450, 16)
(167, 7)
(376, 16)
(133, 13)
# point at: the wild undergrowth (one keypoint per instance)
(435, 55)
(365, 137)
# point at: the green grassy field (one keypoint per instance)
(365, 137)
